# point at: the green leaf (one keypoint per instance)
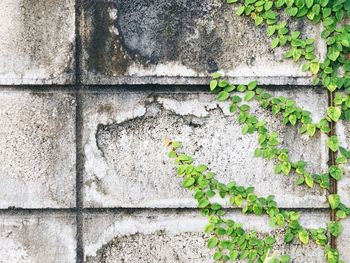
(335, 228)
(309, 3)
(240, 10)
(303, 236)
(333, 143)
(309, 181)
(336, 172)
(310, 129)
(334, 200)
(275, 42)
(231, 1)
(285, 259)
(341, 214)
(216, 75)
(334, 113)
(252, 85)
(233, 255)
(270, 240)
(188, 182)
(238, 200)
(249, 95)
(212, 242)
(223, 95)
(314, 67)
(288, 237)
(293, 119)
(213, 84)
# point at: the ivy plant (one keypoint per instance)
(229, 240)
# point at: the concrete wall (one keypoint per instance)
(88, 92)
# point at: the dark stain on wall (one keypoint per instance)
(150, 32)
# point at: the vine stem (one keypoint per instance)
(332, 161)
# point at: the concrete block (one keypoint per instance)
(41, 238)
(37, 42)
(343, 131)
(177, 236)
(181, 42)
(37, 149)
(126, 163)
(343, 241)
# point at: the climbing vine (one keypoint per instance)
(229, 239)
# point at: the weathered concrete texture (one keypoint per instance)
(41, 238)
(126, 163)
(181, 41)
(343, 131)
(170, 236)
(37, 41)
(343, 241)
(37, 149)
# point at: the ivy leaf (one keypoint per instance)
(288, 237)
(334, 200)
(334, 113)
(234, 255)
(213, 84)
(309, 181)
(240, 10)
(336, 172)
(310, 129)
(216, 75)
(275, 42)
(223, 95)
(314, 67)
(212, 242)
(249, 95)
(341, 214)
(293, 119)
(309, 3)
(335, 228)
(285, 259)
(333, 143)
(188, 182)
(303, 236)
(231, 1)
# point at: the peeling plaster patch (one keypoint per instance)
(176, 236)
(41, 239)
(123, 135)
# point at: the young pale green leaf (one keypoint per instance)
(333, 143)
(334, 200)
(334, 113)
(213, 84)
(304, 236)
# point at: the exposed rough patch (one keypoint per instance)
(177, 39)
(171, 236)
(155, 247)
(37, 151)
(37, 43)
(126, 164)
(41, 239)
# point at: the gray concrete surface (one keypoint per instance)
(40, 238)
(37, 149)
(181, 42)
(37, 42)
